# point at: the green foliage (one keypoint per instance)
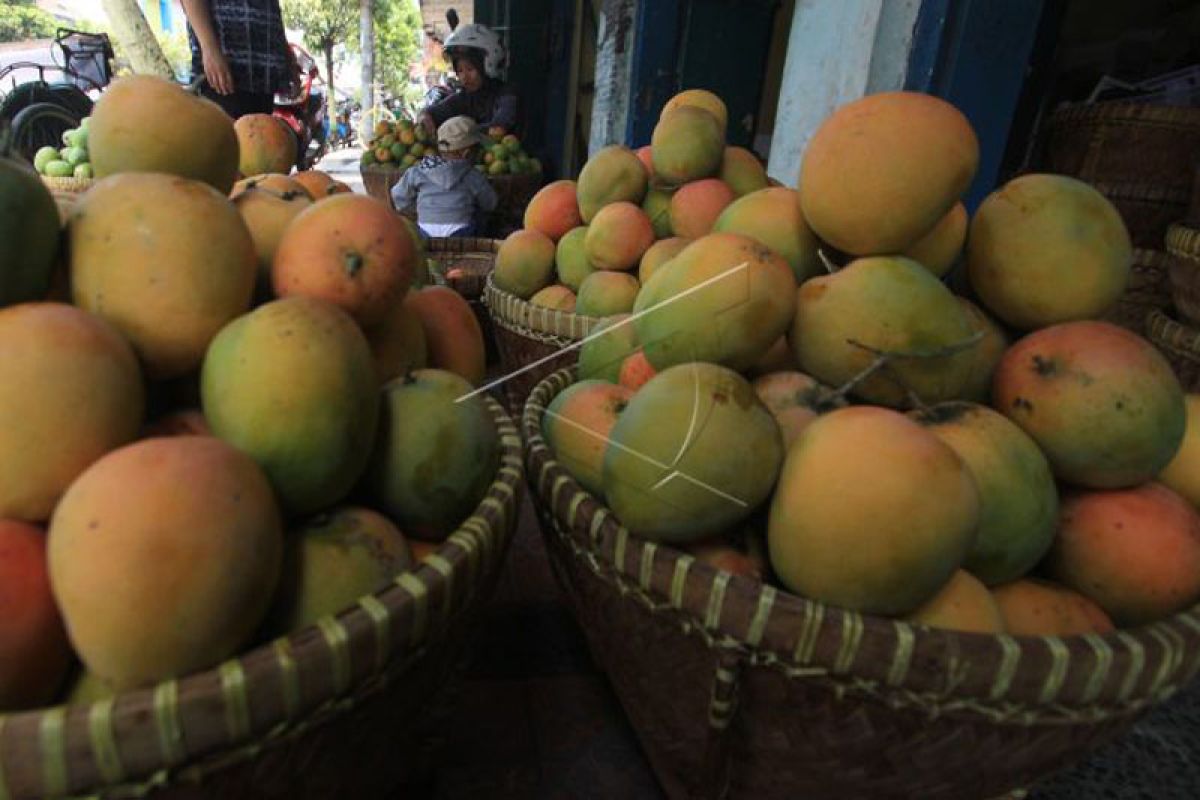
(397, 42)
(325, 23)
(21, 20)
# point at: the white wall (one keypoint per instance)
(838, 51)
(614, 62)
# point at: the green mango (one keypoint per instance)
(44, 156)
(59, 169)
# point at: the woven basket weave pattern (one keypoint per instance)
(333, 710)
(732, 683)
(1183, 247)
(1125, 143)
(534, 341)
(1148, 288)
(1180, 344)
(1140, 156)
(475, 257)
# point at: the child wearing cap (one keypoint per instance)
(449, 193)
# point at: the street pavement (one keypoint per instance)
(343, 165)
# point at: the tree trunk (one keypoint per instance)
(329, 77)
(133, 32)
(366, 26)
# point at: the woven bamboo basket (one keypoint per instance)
(1180, 343)
(1193, 214)
(340, 709)
(378, 181)
(1148, 210)
(737, 689)
(533, 341)
(464, 265)
(1140, 156)
(1148, 288)
(1183, 249)
(66, 192)
(1124, 143)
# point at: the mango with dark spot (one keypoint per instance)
(1018, 499)
(1101, 402)
(265, 145)
(436, 454)
(334, 559)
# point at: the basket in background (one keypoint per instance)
(464, 265)
(1180, 343)
(1140, 156)
(1183, 249)
(339, 709)
(1148, 288)
(533, 341)
(737, 689)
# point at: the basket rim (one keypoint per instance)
(562, 328)
(337, 662)
(462, 245)
(1023, 680)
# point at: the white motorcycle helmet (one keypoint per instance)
(479, 38)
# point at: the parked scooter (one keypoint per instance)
(305, 112)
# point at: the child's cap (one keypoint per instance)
(458, 133)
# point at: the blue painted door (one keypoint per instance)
(717, 45)
(975, 54)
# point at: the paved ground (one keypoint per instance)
(535, 718)
(343, 165)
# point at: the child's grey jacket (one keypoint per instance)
(446, 191)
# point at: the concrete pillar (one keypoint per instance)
(837, 52)
(614, 60)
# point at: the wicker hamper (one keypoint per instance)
(1180, 343)
(66, 192)
(737, 689)
(1148, 288)
(533, 341)
(340, 709)
(1183, 251)
(1140, 156)
(464, 264)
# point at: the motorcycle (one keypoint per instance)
(304, 111)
